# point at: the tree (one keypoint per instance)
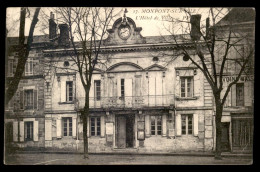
(86, 31)
(213, 48)
(23, 52)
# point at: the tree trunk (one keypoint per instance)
(219, 109)
(85, 124)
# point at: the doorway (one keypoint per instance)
(125, 131)
(225, 145)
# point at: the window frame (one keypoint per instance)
(68, 91)
(30, 124)
(187, 128)
(186, 93)
(97, 92)
(26, 98)
(96, 130)
(10, 68)
(156, 131)
(68, 121)
(240, 102)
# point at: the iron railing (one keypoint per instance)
(128, 101)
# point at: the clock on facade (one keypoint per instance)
(124, 32)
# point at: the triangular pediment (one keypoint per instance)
(155, 67)
(124, 66)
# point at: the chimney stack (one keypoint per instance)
(64, 35)
(52, 27)
(195, 27)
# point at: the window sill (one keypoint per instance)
(187, 98)
(61, 103)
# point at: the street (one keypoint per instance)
(77, 159)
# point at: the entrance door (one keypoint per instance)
(130, 131)
(225, 146)
(242, 132)
(121, 132)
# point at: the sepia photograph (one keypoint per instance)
(129, 86)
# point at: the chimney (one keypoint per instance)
(195, 27)
(64, 35)
(52, 27)
(207, 28)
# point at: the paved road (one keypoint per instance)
(77, 159)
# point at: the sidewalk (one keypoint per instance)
(123, 152)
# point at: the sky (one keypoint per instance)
(150, 19)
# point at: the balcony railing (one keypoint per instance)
(128, 101)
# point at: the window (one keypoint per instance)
(186, 86)
(240, 94)
(28, 99)
(28, 131)
(95, 126)
(156, 125)
(69, 92)
(97, 90)
(122, 88)
(29, 67)
(186, 124)
(67, 126)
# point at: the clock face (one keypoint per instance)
(124, 32)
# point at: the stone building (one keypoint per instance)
(24, 115)
(136, 104)
(238, 114)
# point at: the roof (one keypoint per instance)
(36, 39)
(239, 15)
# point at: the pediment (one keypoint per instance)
(155, 67)
(114, 38)
(125, 66)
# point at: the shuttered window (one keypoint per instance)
(95, 126)
(28, 131)
(69, 91)
(29, 67)
(28, 99)
(10, 67)
(186, 124)
(186, 86)
(240, 94)
(97, 90)
(156, 125)
(67, 126)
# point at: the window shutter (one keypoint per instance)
(178, 124)
(11, 103)
(196, 85)
(195, 125)
(58, 127)
(118, 87)
(63, 91)
(74, 127)
(178, 86)
(164, 125)
(35, 131)
(151, 91)
(158, 91)
(147, 126)
(128, 92)
(48, 129)
(21, 123)
(21, 99)
(102, 127)
(233, 95)
(35, 99)
(15, 131)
